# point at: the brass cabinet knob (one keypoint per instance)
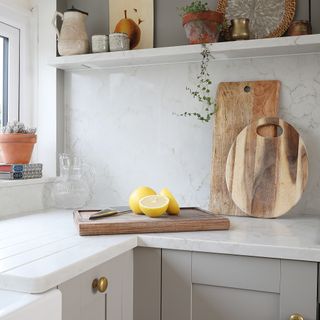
(100, 285)
(296, 316)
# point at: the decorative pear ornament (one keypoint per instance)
(131, 28)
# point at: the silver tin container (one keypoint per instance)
(100, 43)
(119, 42)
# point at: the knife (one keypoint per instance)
(106, 213)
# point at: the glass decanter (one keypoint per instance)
(71, 189)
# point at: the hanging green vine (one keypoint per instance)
(202, 91)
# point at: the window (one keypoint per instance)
(3, 90)
(9, 73)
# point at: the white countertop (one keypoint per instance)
(17, 306)
(41, 250)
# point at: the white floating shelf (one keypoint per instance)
(191, 53)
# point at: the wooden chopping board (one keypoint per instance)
(190, 219)
(266, 176)
(239, 103)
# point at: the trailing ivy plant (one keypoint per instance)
(202, 92)
(194, 7)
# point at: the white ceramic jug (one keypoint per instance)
(73, 37)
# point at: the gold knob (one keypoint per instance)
(296, 316)
(100, 285)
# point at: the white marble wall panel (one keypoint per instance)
(122, 123)
(23, 196)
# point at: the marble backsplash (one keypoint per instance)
(122, 122)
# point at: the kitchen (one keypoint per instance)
(119, 113)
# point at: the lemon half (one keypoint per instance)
(173, 207)
(138, 194)
(154, 206)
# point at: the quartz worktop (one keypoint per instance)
(38, 251)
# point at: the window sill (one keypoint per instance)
(17, 183)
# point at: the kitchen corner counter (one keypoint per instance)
(41, 250)
(291, 237)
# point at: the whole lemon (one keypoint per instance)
(137, 195)
(173, 207)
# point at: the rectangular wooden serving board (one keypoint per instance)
(239, 103)
(190, 219)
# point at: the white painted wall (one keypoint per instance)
(18, 4)
(45, 113)
(37, 97)
(121, 122)
(23, 196)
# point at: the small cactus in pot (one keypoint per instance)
(17, 142)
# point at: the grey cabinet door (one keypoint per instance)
(201, 286)
(147, 284)
(81, 302)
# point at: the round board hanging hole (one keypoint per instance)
(269, 131)
(247, 89)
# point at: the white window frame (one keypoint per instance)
(13, 35)
(18, 14)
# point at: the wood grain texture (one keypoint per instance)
(266, 176)
(190, 219)
(236, 109)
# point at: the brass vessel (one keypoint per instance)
(296, 316)
(240, 29)
(299, 27)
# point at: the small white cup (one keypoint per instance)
(100, 43)
(119, 42)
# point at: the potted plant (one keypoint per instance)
(17, 142)
(201, 24)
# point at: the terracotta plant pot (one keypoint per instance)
(203, 27)
(17, 147)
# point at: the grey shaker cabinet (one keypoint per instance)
(203, 286)
(81, 302)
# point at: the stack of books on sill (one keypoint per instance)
(20, 171)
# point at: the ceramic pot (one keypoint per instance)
(99, 43)
(119, 42)
(72, 38)
(203, 27)
(17, 147)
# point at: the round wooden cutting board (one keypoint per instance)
(266, 176)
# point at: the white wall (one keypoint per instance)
(32, 195)
(20, 4)
(38, 80)
(20, 14)
(45, 107)
(121, 123)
